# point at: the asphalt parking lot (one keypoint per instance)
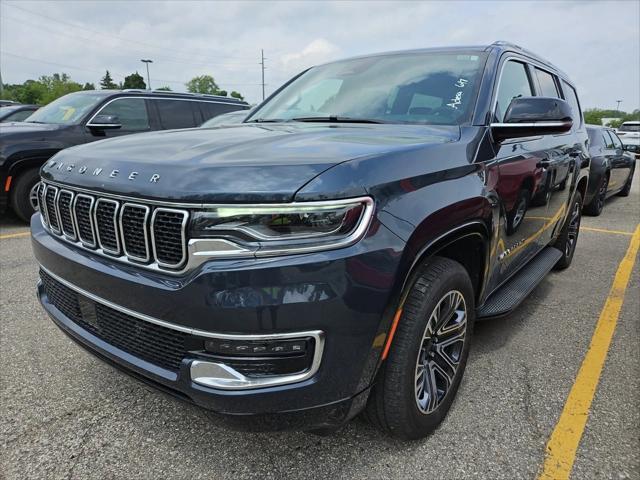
(66, 415)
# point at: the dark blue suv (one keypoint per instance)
(330, 254)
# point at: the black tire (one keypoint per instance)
(21, 191)
(568, 238)
(394, 401)
(596, 205)
(517, 214)
(627, 186)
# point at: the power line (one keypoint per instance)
(122, 39)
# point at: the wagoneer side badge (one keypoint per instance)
(155, 178)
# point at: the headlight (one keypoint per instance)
(246, 230)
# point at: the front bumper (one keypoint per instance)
(345, 294)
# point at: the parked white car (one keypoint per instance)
(629, 133)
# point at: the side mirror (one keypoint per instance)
(532, 116)
(105, 122)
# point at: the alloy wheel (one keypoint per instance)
(602, 193)
(33, 196)
(573, 230)
(440, 351)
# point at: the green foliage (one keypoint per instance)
(43, 90)
(89, 86)
(594, 116)
(204, 84)
(164, 89)
(106, 83)
(134, 80)
(237, 95)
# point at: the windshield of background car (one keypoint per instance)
(66, 110)
(424, 88)
(630, 127)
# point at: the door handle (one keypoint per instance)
(543, 164)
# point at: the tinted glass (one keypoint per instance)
(547, 84)
(19, 116)
(629, 127)
(67, 110)
(212, 109)
(571, 97)
(230, 118)
(176, 114)
(595, 137)
(617, 143)
(424, 88)
(514, 83)
(608, 141)
(131, 113)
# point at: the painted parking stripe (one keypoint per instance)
(14, 235)
(606, 230)
(566, 436)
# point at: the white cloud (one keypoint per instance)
(318, 51)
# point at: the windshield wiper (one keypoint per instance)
(337, 119)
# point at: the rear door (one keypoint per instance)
(619, 164)
(177, 113)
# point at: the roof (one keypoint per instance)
(165, 94)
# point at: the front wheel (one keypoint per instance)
(595, 206)
(24, 194)
(419, 380)
(627, 186)
(568, 238)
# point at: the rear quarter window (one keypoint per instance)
(176, 114)
(572, 98)
(213, 109)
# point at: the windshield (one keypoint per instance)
(66, 110)
(630, 127)
(424, 88)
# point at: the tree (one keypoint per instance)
(89, 86)
(134, 80)
(237, 95)
(164, 89)
(203, 84)
(107, 82)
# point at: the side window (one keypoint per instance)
(547, 84)
(617, 143)
(608, 141)
(19, 116)
(514, 83)
(213, 109)
(595, 137)
(176, 114)
(132, 113)
(571, 97)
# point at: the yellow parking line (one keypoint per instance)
(14, 235)
(566, 436)
(604, 230)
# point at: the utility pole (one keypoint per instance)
(618, 102)
(147, 62)
(1, 86)
(262, 64)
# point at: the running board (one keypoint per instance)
(518, 287)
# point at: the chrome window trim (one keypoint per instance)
(42, 200)
(146, 233)
(73, 221)
(57, 231)
(93, 244)
(183, 236)
(115, 225)
(199, 368)
(149, 97)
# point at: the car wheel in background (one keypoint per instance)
(596, 205)
(568, 238)
(419, 379)
(24, 194)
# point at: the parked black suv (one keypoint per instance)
(87, 116)
(330, 254)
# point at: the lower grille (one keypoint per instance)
(153, 343)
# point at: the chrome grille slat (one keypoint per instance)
(143, 234)
(105, 216)
(134, 231)
(50, 198)
(83, 214)
(67, 223)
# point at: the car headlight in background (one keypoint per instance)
(279, 229)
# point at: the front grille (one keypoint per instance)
(52, 211)
(153, 343)
(149, 235)
(42, 202)
(65, 198)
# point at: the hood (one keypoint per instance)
(27, 128)
(248, 162)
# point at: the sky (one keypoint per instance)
(597, 43)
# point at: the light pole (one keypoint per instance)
(147, 62)
(618, 102)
